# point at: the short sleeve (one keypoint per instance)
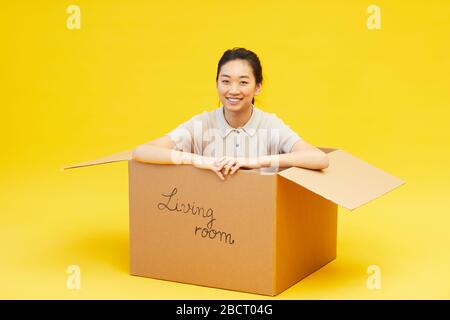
(285, 137)
(183, 135)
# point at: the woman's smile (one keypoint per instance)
(234, 101)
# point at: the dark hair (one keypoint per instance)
(244, 54)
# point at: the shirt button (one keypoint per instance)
(237, 145)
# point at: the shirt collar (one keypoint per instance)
(249, 127)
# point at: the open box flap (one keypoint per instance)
(348, 181)
(120, 156)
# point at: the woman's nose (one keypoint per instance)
(234, 90)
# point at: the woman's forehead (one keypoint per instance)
(236, 68)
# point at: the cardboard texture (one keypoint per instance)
(252, 233)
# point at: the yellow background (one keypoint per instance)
(136, 69)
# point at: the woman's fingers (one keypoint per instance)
(235, 168)
(220, 167)
(222, 163)
(219, 173)
(226, 169)
(228, 166)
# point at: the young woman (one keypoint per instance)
(237, 134)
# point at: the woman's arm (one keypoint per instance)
(151, 152)
(302, 155)
(162, 151)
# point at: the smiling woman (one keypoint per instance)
(239, 78)
(237, 134)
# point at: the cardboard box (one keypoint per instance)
(258, 233)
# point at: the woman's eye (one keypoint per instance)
(224, 81)
(243, 82)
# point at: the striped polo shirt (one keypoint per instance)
(209, 134)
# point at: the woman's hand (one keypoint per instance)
(229, 165)
(226, 165)
(210, 163)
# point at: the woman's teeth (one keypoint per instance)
(233, 99)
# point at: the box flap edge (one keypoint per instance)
(116, 157)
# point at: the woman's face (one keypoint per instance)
(236, 85)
